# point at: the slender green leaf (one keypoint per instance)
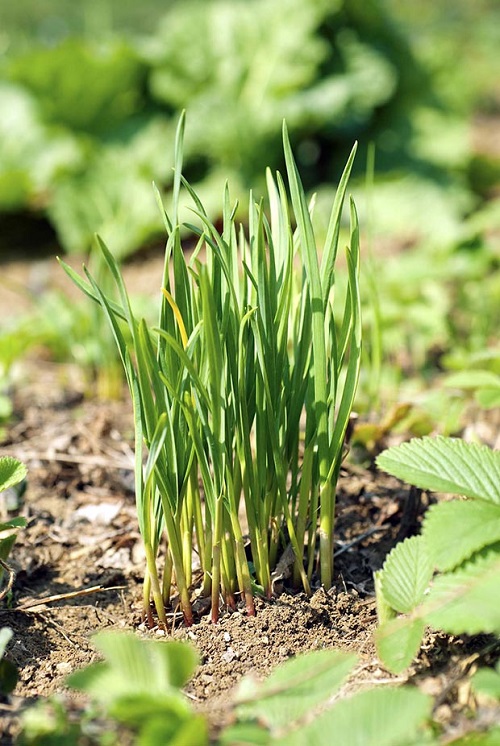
(332, 236)
(88, 289)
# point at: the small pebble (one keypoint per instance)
(227, 637)
(229, 655)
(63, 668)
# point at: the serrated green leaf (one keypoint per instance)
(446, 465)
(12, 472)
(406, 574)
(134, 666)
(378, 717)
(295, 687)
(466, 601)
(398, 642)
(473, 524)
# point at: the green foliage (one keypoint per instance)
(135, 697)
(86, 114)
(100, 99)
(487, 681)
(426, 321)
(111, 189)
(12, 473)
(461, 539)
(409, 561)
(473, 524)
(294, 689)
(446, 465)
(322, 73)
(378, 717)
(138, 685)
(135, 667)
(137, 688)
(283, 706)
(484, 383)
(250, 343)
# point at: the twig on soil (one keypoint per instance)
(57, 627)
(10, 582)
(108, 463)
(33, 604)
(360, 538)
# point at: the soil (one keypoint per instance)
(79, 566)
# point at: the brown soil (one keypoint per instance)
(79, 567)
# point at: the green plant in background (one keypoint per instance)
(91, 114)
(478, 374)
(74, 331)
(12, 473)
(65, 331)
(460, 539)
(248, 381)
(429, 323)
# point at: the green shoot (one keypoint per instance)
(12, 473)
(241, 394)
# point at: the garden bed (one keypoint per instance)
(79, 567)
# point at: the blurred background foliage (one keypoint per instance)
(90, 95)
